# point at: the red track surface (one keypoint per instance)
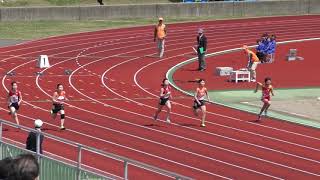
(110, 111)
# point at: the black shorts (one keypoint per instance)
(261, 56)
(196, 105)
(57, 108)
(15, 105)
(163, 101)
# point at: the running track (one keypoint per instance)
(113, 91)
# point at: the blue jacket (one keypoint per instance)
(260, 47)
(272, 47)
(266, 44)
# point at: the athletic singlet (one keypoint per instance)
(254, 56)
(166, 90)
(161, 31)
(201, 93)
(14, 96)
(61, 96)
(266, 91)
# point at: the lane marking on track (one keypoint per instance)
(278, 110)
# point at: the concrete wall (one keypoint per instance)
(39, 13)
(214, 9)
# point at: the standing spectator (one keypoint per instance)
(160, 33)
(266, 44)
(271, 49)
(260, 51)
(201, 49)
(100, 2)
(253, 62)
(31, 143)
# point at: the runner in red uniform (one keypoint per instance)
(14, 101)
(267, 91)
(199, 101)
(58, 98)
(165, 96)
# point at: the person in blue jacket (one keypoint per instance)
(260, 50)
(271, 48)
(263, 47)
(266, 43)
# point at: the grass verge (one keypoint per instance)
(39, 29)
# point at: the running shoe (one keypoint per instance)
(259, 118)
(265, 113)
(62, 128)
(203, 125)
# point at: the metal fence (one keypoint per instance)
(52, 168)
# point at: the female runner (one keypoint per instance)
(267, 89)
(165, 96)
(58, 98)
(199, 101)
(14, 101)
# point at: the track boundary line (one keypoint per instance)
(170, 72)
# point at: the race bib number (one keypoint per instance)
(14, 99)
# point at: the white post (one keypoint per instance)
(236, 76)
(38, 146)
(1, 131)
(38, 143)
(79, 162)
(1, 126)
(125, 170)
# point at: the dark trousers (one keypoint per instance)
(202, 62)
(261, 56)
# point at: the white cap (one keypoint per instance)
(200, 30)
(38, 123)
